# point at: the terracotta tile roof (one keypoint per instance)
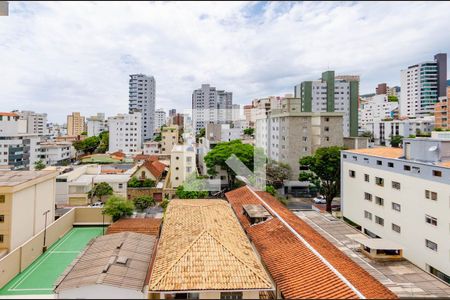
(386, 152)
(297, 271)
(118, 154)
(445, 164)
(203, 247)
(8, 114)
(155, 167)
(145, 157)
(148, 226)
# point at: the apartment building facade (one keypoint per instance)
(125, 133)
(36, 122)
(169, 138)
(75, 124)
(182, 164)
(442, 112)
(142, 92)
(25, 196)
(287, 134)
(332, 94)
(402, 195)
(210, 105)
(421, 86)
(160, 118)
(96, 124)
(376, 109)
(55, 153)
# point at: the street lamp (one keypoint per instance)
(44, 248)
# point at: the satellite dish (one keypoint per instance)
(432, 148)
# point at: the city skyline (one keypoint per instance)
(252, 49)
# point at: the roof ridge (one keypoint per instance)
(178, 259)
(239, 259)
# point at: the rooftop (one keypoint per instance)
(203, 247)
(148, 226)
(302, 263)
(386, 152)
(8, 114)
(14, 178)
(120, 260)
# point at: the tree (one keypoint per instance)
(83, 133)
(99, 190)
(164, 204)
(276, 173)
(249, 131)
(148, 183)
(143, 202)
(118, 207)
(367, 134)
(104, 142)
(90, 144)
(183, 194)
(396, 140)
(134, 182)
(216, 158)
(39, 165)
(271, 190)
(158, 138)
(392, 99)
(324, 172)
(201, 134)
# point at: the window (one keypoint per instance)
(1, 238)
(367, 215)
(366, 160)
(379, 181)
(430, 195)
(120, 185)
(351, 173)
(177, 158)
(407, 168)
(355, 158)
(368, 196)
(379, 201)
(379, 163)
(366, 177)
(396, 206)
(231, 295)
(345, 155)
(2, 218)
(390, 165)
(379, 221)
(188, 159)
(396, 228)
(2, 198)
(432, 245)
(437, 173)
(396, 185)
(431, 220)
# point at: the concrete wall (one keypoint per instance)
(100, 292)
(90, 215)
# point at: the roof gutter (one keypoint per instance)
(327, 263)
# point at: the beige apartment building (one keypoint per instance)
(182, 164)
(75, 124)
(169, 138)
(25, 196)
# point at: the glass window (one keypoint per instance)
(379, 221)
(366, 177)
(437, 173)
(390, 165)
(396, 206)
(2, 218)
(379, 181)
(379, 163)
(351, 173)
(231, 295)
(368, 196)
(2, 198)
(431, 220)
(367, 215)
(396, 228)
(379, 201)
(432, 245)
(396, 185)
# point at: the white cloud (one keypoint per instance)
(76, 56)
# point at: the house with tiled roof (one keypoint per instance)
(302, 263)
(203, 253)
(151, 169)
(149, 226)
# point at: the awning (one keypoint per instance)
(378, 244)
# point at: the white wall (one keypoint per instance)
(100, 292)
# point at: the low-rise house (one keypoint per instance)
(55, 153)
(112, 266)
(150, 226)
(25, 197)
(203, 253)
(303, 264)
(152, 147)
(151, 169)
(72, 187)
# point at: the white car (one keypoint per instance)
(320, 200)
(97, 204)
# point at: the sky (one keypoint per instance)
(59, 57)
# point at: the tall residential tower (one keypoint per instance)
(142, 99)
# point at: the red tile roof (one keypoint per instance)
(148, 226)
(118, 154)
(145, 157)
(155, 167)
(297, 270)
(8, 114)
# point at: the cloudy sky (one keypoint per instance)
(70, 56)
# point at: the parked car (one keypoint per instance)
(97, 204)
(320, 200)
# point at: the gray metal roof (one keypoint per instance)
(121, 260)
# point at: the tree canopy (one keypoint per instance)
(396, 140)
(324, 172)
(216, 158)
(143, 202)
(249, 131)
(118, 207)
(88, 145)
(39, 165)
(99, 190)
(276, 173)
(136, 183)
(104, 142)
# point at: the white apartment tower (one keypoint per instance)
(160, 118)
(375, 109)
(96, 124)
(210, 105)
(125, 133)
(421, 86)
(36, 122)
(142, 99)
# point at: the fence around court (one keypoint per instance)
(20, 258)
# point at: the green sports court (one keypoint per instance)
(40, 276)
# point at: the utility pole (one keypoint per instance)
(44, 248)
(103, 221)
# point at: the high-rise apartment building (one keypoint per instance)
(210, 105)
(160, 118)
(75, 124)
(142, 99)
(375, 109)
(332, 94)
(172, 112)
(96, 124)
(381, 89)
(402, 196)
(125, 133)
(36, 122)
(421, 86)
(442, 112)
